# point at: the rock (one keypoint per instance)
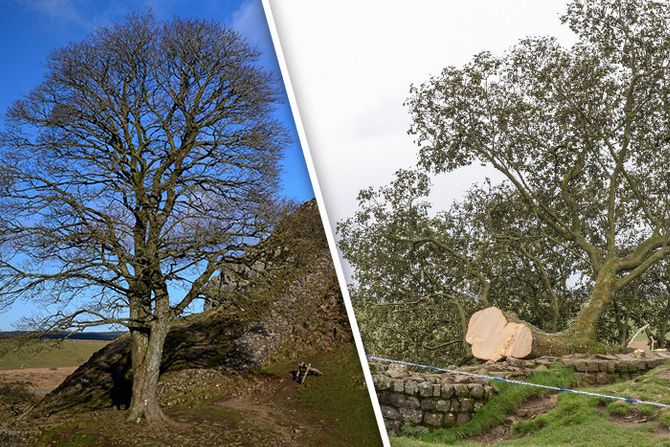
(411, 415)
(411, 388)
(476, 390)
(449, 420)
(462, 418)
(447, 390)
(443, 405)
(466, 405)
(461, 390)
(425, 389)
(390, 412)
(396, 371)
(433, 419)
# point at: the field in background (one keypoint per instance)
(47, 353)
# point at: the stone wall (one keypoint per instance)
(434, 400)
(444, 400)
(601, 369)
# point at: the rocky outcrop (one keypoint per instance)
(290, 309)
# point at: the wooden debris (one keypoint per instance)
(303, 371)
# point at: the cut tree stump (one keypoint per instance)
(493, 336)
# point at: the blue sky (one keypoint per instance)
(30, 29)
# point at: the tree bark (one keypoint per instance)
(146, 355)
(586, 324)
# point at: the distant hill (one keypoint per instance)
(64, 335)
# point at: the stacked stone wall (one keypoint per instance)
(412, 397)
(433, 400)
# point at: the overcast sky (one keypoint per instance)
(351, 64)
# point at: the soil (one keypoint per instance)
(530, 409)
(536, 406)
(498, 434)
(251, 410)
(37, 380)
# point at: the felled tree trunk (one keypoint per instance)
(494, 335)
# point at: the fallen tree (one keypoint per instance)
(570, 130)
(494, 335)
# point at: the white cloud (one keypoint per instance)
(249, 20)
(63, 12)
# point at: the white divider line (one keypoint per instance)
(326, 223)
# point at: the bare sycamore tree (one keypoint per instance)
(144, 162)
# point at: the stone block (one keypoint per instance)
(602, 378)
(428, 404)
(395, 371)
(436, 390)
(592, 366)
(392, 426)
(581, 365)
(443, 405)
(411, 388)
(390, 412)
(425, 389)
(411, 402)
(476, 390)
(449, 420)
(461, 390)
(384, 397)
(381, 382)
(398, 386)
(411, 415)
(462, 418)
(467, 405)
(433, 419)
(447, 390)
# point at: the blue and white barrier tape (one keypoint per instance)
(518, 382)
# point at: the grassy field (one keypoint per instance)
(339, 395)
(575, 420)
(47, 353)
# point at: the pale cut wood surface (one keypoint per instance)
(492, 337)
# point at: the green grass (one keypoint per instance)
(587, 421)
(67, 435)
(47, 353)
(494, 412)
(340, 397)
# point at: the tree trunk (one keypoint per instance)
(586, 324)
(494, 335)
(663, 326)
(146, 355)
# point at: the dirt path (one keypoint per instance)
(37, 380)
(272, 404)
